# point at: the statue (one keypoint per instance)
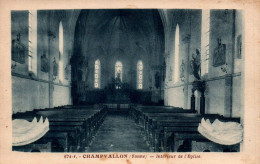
(44, 63)
(195, 64)
(18, 50)
(182, 69)
(55, 67)
(118, 80)
(197, 84)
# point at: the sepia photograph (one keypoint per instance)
(127, 80)
(130, 82)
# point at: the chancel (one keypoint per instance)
(127, 80)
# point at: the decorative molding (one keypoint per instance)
(182, 70)
(18, 50)
(44, 63)
(55, 69)
(67, 71)
(219, 56)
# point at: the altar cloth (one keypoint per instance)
(25, 132)
(224, 133)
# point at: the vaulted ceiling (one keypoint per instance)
(113, 30)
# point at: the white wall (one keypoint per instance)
(219, 100)
(29, 94)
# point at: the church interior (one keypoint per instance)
(127, 80)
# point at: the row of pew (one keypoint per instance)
(171, 129)
(71, 127)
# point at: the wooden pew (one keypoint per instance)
(161, 128)
(142, 112)
(163, 125)
(155, 122)
(80, 123)
(61, 142)
(172, 134)
(138, 112)
(73, 131)
(38, 146)
(89, 118)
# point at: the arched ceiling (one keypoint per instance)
(124, 29)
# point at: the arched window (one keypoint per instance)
(139, 74)
(97, 74)
(61, 74)
(176, 54)
(205, 32)
(32, 42)
(118, 70)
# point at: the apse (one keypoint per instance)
(124, 35)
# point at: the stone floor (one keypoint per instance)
(118, 133)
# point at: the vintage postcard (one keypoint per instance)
(130, 82)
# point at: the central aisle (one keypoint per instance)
(118, 133)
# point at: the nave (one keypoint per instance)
(119, 133)
(98, 128)
(176, 73)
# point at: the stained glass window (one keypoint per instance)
(97, 74)
(118, 70)
(139, 74)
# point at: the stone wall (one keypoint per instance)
(42, 89)
(223, 88)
